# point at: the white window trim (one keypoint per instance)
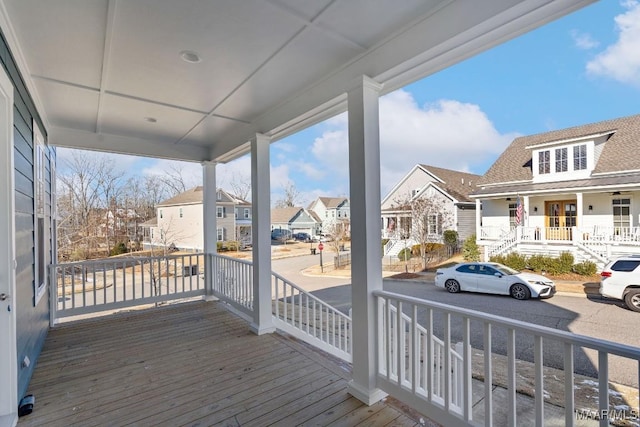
(42, 243)
(220, 234)
(570, 173)
(220, 212)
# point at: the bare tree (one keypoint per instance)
(339, 231)
(82, 192)
(241, 185)
(425, 218)
(110, 187)
(175, 180)
(290, 198)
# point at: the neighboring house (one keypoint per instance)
(331, 210)
(295, 220)
(578, 191)
(179, 220)
(449, 192)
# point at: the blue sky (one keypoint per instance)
(580, 69)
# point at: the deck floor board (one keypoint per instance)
(192, 364)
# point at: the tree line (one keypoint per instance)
(100, 208)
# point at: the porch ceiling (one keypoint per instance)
(108, 74)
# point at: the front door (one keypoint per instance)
(561, 216)
(8, 348)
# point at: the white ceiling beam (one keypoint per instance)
(106, 55)
(84, 140)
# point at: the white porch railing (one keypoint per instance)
(233, 282)
(508, 241)
(110, 284)
(405, 349)
(604, 234)
(307, 317)
(493, 233)
(115, 283)
(415, 386)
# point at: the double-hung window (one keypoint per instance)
(621, 213)
(42, 217)
(579, 157)
(561, 159)
(544, 162)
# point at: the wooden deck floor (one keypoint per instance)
(190, 364)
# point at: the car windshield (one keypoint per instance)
(506, 270)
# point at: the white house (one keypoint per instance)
(448, 192)
(179, 220)
(331, 210)
(579, 189)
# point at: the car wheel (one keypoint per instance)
(452, 286)
(520, 291)
(632, 299)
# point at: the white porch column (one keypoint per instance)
(209, 217)
(525, 206)
(260, 234)
(478, 220)
(579, 210)
(209, 224)
(366, 268)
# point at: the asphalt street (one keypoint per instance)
(594, 317)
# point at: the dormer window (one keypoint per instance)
(561, 159)
(564, 161)
(544, 162)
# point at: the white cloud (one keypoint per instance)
(621, 60)
(584, 40)
(447, 133)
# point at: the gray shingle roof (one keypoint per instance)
(195, 195)
(619, 152)
(329, 202)
(283, 215)
(458, 184)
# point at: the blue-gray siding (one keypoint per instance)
(466, 221)
(32, 321)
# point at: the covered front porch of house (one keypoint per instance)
(596, 225)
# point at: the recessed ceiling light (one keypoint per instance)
(190, 56)
(150, 119)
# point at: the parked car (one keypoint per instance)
(280, 235)
(494, 278)
(302, 237)
(620, 279)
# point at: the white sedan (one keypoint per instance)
(493, 278)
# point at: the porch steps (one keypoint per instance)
(397, 245)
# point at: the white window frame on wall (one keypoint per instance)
(42, 242)
(220, 212)
(561, 155)
(247, 213)
(621, 205)
(220, 234)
